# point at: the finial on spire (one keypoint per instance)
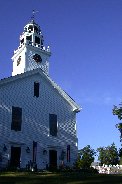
(33, 14)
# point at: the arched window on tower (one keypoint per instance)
(30, 28)
(37, 40)
(29, 38)
(36, 29)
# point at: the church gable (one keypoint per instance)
(38, 72)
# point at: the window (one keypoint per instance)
(53, 124)
(68, 153)
(16, 118)
(29, 38)
(30, 28)
(36, 29)
(37, 40)
(36, 89)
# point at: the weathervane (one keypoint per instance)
(33, 14)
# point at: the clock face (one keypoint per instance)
(37, 58)
(18, 60)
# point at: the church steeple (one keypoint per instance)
(31, 53)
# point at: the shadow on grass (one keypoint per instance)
(62, 178)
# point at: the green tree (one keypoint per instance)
(108, 155)
(86, 157)
(118, 112)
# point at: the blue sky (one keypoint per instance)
(85, 37)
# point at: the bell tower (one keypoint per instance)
(31, 53)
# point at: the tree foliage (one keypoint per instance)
(86, 157)
(108, 155)
(118, 111)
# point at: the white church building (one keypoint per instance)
(37, 117)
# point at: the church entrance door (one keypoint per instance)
(15, 157)
(52, 159)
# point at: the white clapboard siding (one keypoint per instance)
(35, 119)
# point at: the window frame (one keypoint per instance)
(53, 125)
(36, 89)
(68, 153)
(16, 123)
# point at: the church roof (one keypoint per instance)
(75, 106)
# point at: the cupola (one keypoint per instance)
(32, 35)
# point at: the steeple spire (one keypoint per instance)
(33, 15)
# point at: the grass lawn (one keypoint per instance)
(52, 178)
